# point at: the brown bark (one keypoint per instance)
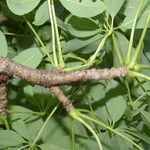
(3, 95)
(62, 98)
(50, 78)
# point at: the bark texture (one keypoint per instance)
(50, 78)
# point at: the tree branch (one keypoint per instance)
(51, 78)
(62, 98)
(3, 99)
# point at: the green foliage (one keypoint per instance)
(39, 17)
(79, 8)
(3, 46)
(19, 7)
(91, 33)
(30, 57)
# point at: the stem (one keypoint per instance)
(76, 115)
(44, 50)
(145, 66)
(93, 57)
(129, 93)
(23, 147)
(33, 113)
(74, 56)
(137, 74)
(109, 128)
(76, 68)
(53, 33)
(142, 95)
(39, 134)
(139, 49)
(60, 56)
(72, 133)
(92, 131)
(117, 49)
(128, 57)
(4, 119)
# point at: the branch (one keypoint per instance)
(5, 20)
(62, 98)
(51, 78)
(3, 100)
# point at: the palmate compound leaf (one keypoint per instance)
(84, 8)
(3, 45)
(21, 7)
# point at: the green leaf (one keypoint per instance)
(130, 9)
(145, 60)
(96, 91)
(122, 43)
(20, 127)
(85, 8)
(113, 6)
(120, 143)
(10, 138)
(146, 117)
(138, 135)
(3, 45)
(34, 127)
(116, 107)
(30, 57)
(45, 33)
(20, 112)
(76, 44)
(116, 103)
(39, 17)
(85, 143)
(103, 114)
(21, 7)
(140, 84)
(50, 134)
(51, 147)
(81, 27)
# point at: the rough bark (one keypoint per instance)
(50, 78)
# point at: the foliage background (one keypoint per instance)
(121, 104)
